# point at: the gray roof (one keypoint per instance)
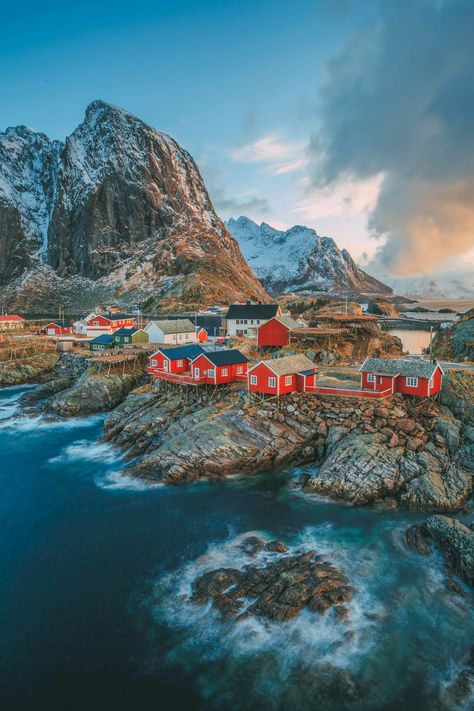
(399, 366)
(290, 364)
(289, 322)
(178, 325)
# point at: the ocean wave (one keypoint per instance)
(277, 652)
(116, 480)
(20, 422)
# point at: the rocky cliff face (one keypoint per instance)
(118, 205)
(300, 260)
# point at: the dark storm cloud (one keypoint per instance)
(399, 101)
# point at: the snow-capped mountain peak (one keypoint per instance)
(299, 259)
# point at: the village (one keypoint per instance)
(257, 346)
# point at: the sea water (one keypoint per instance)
(96, 571)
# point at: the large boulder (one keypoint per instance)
(91, 393)
(276, 589)
(453, 538)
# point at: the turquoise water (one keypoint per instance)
(96, 570)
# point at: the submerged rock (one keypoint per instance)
(454, 540)
(277, 589)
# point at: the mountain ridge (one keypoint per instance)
(298, 259)
(118, 205)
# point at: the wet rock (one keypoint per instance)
(91, 393)
(453, 539)
(274, 590)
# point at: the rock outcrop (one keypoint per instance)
(276, 588)
(363, 452)
(453, 538)
(92, 392)
(119, 208)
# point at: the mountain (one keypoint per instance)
(299, 259)
(118, 210)
(438, 286)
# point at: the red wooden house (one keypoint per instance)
(276, 331)
(220, 367)
(402, 375)
(59, 328)
(108, 323)
(202, 335)
(11, 321)
(173, 360)
(279, 376)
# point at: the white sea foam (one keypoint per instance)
(22, 423)
(308, 640)
(116, 480)
(84, 450)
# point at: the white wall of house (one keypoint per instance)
(80, 327)
(246, 327)
(156, 335)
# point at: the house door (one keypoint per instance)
(165, 365)
(197, 373)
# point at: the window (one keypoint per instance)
(179, 363)
(432, 383)
(371, 378)
(288, 380)
(258, 321)
(211, 373)
(272, 382)
(245, 321)
(153, 362)
(253, 380)
(251, 322)
(96, 323)
(412, 382)
(225, 372)
(240, 369)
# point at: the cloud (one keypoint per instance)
(236, 206)
(398, 102)
(345, 198)
(279, 156)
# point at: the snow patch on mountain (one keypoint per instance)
(298, 259)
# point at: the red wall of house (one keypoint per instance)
(205, 365)
(58, 329)
(307, 382)
(263, 372)
(202, 335)
(103, 322)
(273, 333)
(420, 391)
(173, 366)
(382, 382)
(438, 381)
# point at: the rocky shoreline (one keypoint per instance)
(402, 452)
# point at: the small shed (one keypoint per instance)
(123, 336)
(102, 342)
(140, 336)
(59, 328)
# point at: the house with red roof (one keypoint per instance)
(11, 321)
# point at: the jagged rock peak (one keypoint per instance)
(298, 259)
(119, 203)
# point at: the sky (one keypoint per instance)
(352, 118)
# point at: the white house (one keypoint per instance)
(245, 319)
(80, 327)
(178, 332)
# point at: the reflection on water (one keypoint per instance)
(413, 341)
